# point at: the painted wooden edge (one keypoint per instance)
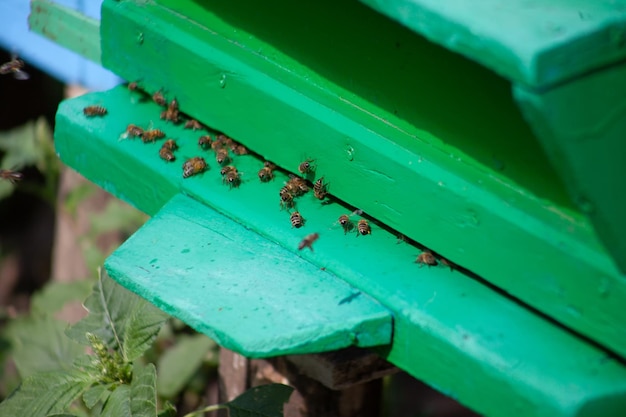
(544, 44)
(66, 27)
(531, 248)
(583, 126)
(451, 331)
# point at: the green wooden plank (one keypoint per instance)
(67, 27)
(586, 139)
(536, 44)
(245, 292)
(459, 336)
(529, 245)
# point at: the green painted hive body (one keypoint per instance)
(494, 173)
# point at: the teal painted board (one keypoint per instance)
(583, 128)
(245, 292)
(537, 44)
(529, 244)
(450, 330)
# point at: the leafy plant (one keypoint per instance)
(113, 380)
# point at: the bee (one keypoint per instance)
(232, 178)
(171, 114)
(11, 175)
(319, 189)
(134, 86)
(14, 66)
(218, 143)
(363, 227)
(306, 167)
(266, 174)
(92, 111)
(221, 156)
(297, 186)
(227, 169)
(297, 220)
(193, 125)
(132, 131)
(426, 258)
(194, 166)
(159, 98)
(447, 263)
(167, 150)
(308, 241)
(268, 164)
(240, 150)
(205, 141)
(152, 135)
(346, 223)
(286, 199)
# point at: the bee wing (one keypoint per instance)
(20, 75)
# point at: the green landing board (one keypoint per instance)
(534, 43)
(449, 329)
(247, 293)
(393, 146)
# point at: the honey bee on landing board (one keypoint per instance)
(93, 111)
(14, 66)
(171, 114)
(319, 189)
(286, 199)
(205, 141)
(159, 98)
(132, 131)
(194, 166)
(221, 156)
(266, 174)
(297, 220)
(152, 135)
(11, 175)
(296, 186)
(167, 150)
(227, 169)
(363, 227)
(308, 241)
(193, 125)
(346, 223)
(134, 86)
(232, 178)
(426, 258)
(306, 167)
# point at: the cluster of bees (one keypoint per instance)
(223, 146)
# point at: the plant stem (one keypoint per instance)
(207, 410)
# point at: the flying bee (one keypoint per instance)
(286, 199)
(308, 241)
(426, 258)
(297, 220)
(159, 98)
(92, 111)
(232, 178)
(221, 156)
(266, 174)
(132, 131)
(11, 175)
(193, 124)
(306, 167)
(205, 141)
(363, 227)
(152, 135)
(171, 114)
(194, 166)
(319, 189)
(14, 66)
(346, 223)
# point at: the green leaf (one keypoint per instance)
(62, 415)
(178, 364)
(97, 393)
(55, 295)
(136, 400)
(261, 401)
(40, 345)
(123, 320)
(46, 393)
(168, 410)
